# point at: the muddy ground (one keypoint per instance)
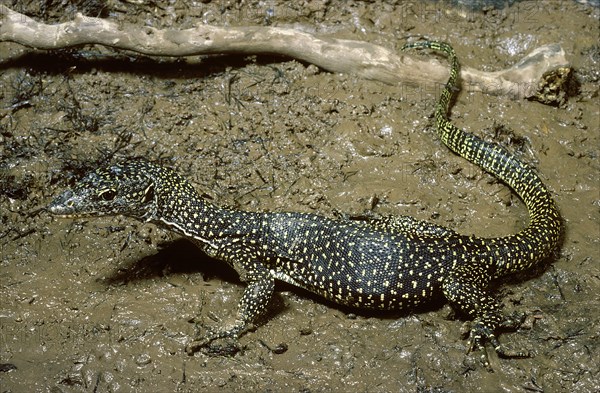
(108, 304)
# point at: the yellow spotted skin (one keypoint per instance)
(387, 263)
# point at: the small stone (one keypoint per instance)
(143, 359)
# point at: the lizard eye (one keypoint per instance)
(107, 195)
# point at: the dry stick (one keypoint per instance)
(336, 55)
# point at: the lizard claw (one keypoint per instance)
(480, 334)
(204, 342)
(195, 346)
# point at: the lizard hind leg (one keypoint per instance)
(465, 289)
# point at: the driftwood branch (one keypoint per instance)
(524, 80)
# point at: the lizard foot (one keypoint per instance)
(205, 343)
(480, 334)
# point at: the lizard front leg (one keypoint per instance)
(253, 303)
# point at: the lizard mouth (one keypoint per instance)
(62, 211)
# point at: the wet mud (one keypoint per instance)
(108, 304)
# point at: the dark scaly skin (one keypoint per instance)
(513, 253)
(388, 263)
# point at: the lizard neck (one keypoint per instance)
(182, 209)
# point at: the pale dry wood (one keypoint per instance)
(336, 55)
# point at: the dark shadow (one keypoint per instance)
(81, 61)
(178, 257)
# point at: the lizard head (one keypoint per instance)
(126, 189)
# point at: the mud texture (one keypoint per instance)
(102, 305)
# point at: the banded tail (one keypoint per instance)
(542, 235)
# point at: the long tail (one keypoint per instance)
(541, 237)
